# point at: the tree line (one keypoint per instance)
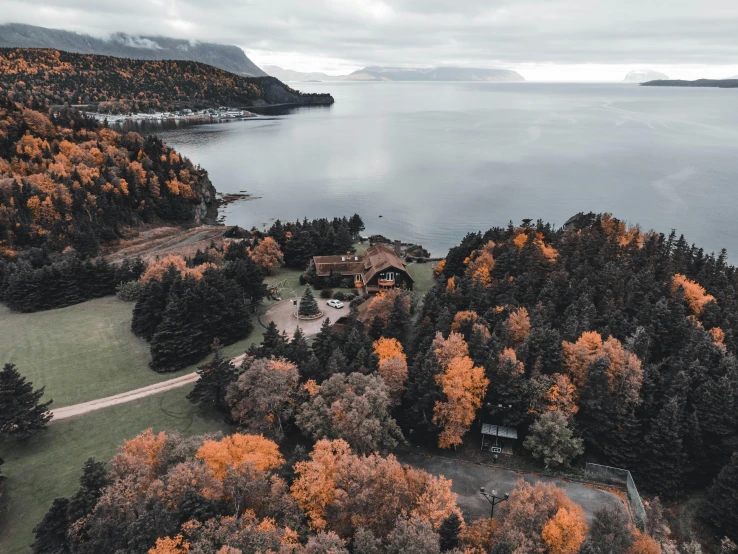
(301, 240)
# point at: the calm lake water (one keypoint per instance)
(437, 160)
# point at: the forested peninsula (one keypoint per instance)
(118, 85)
(717, 83)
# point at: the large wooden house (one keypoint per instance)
(379, 268)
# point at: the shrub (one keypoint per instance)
(326, 293)
(128, 292)
(344, 296)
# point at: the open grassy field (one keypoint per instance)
(50, 464)
(86, 351)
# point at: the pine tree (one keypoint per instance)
(664, 458)
(626, 443)
(399, 321)
(249, 277)
(722, 500)
(21, 412)
(449, 532)
(596, 408)
(215, 377)
(308, 305)
(298, 350)
(51, 532)
(325, 342)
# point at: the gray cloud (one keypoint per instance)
(422, 32)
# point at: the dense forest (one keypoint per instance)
(596, 341)
(121, 85)
(66, 181)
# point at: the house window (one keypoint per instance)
(390, 276)
(357, 278)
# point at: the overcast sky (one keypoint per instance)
(543, 39)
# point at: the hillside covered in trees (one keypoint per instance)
(121, 85)
(66, 181)
(632, 336)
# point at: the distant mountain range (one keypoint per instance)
(120, 45)
(376, 73)
(289, 75)
(717, 83)
(435, 74)
(643, 75)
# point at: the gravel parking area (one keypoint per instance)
(283, 314)
(468, 478)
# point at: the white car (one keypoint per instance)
(335, 304)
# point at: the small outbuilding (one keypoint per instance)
(498, 439)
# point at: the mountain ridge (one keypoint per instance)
(121, 45)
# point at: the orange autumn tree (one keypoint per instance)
(237, 449)
(141, 454)
(565, 532)
(482, 263)
(392, 366)
(643, 544)
(267, 255)
(625, 373)
(315, 487)
(530, 510)
(464, 386)
(167, 545)
(562, 396)
(342, 492)
(517, 327)
(694, 294)
(382, 303)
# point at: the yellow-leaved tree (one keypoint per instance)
(464, 386)
(238, 449)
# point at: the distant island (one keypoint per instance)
(718, 83)
(121, 45)
(643, 75)
(435, 74)
(376, 73)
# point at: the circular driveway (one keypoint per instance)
(283, 315)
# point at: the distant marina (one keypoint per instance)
(222, 113)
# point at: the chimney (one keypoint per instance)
(398, 248)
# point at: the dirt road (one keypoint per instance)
(122, 398)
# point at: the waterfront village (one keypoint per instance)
(223, 112)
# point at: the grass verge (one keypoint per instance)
(85, 351)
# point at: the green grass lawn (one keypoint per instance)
(422, 274)
(50, 464)
(85, 351)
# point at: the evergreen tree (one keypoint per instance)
(249, 277)
(356, 225)
(722, 500)
(626, 443)
(377, 328)
(273, 344)
(325, 342)
(596, 415)
(343, 241)
(399, 321)
(449, 532)
(664, 459)
(298, 351)
(308, 305)
(215, 377)
(51, 533)
(21, 411)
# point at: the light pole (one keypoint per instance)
(493, 499)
